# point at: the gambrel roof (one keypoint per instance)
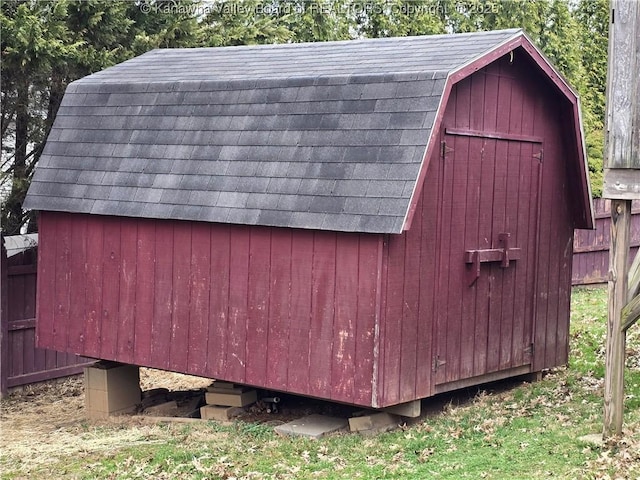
(328, 136)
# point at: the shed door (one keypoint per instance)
(487, 226)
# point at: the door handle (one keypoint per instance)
(504, 255)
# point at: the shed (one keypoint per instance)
(370, 222)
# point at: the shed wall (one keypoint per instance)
(279, 309)
(509, 99)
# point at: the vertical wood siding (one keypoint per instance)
(275, 308)
(430, 312)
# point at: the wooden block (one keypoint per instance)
(231, 399)
(374, 422)
(220, 384)
(220, 414)
(228, 390)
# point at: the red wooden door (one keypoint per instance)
(486, 272)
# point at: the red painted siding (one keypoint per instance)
(478, 189)
(365, 319)
(278, 309)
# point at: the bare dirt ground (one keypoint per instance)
(44, 422)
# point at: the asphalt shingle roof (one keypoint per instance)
(322, 135)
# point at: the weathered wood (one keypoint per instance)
(622, 142)
(630, 313)
(621, 183)
(618, 291)
(633, 277)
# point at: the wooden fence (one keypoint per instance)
(21, 362)
(591, 247)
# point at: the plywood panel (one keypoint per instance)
(280, 330)
(62, 285)
(181, 296)
(302, 255)
(238, 307)
(162, 297)
(344, 325)
(145, 279)
(369, 257)
(322, 307)
(127, 300)
(94, 286)
(110, 288)
(219, 301)
(77, 311)
(200, 293)
(258, 300)
(391, 334)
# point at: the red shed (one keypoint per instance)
(371, 221)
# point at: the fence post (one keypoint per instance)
(4, 320)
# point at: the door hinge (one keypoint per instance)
(437, 363)
(530, 349)
(445, 149)
(539, 155)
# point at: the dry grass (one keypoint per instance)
(46, 422)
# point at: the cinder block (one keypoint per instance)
(239, 399)
(374, 422)
(111, 388)
(220, 414)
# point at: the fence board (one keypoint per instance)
(21, 362)
(591, 247)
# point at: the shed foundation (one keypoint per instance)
(111, 389)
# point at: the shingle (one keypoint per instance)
(327, 204)
(174, 197)
(362, 205)
(194, 182)
(385, 188)
(263, 201)
(203, 197)
(275, 218)
(351, 188)
(148, 195)
(233, 199)
(294, 203)
(122, 193)
(186, 212)
(316, 186)
(325, 136)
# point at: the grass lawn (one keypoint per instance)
(506, 431)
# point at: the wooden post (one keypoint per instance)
(4, 320)
(616, 337)
(622, 185)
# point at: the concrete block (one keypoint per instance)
(376, 422)
(409, 409)
(220, 414)
(111, 388)
(231, 399)
(312, 426)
